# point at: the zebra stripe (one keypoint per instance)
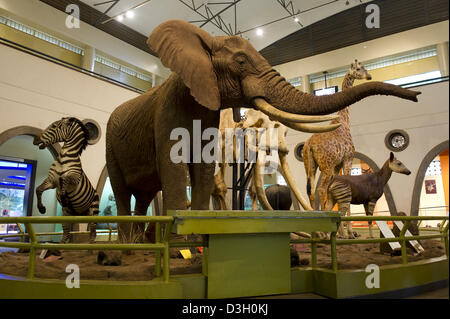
(74, 190)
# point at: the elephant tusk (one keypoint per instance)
(279, 115)
(260, 193)
(290, 181)
(311, 128)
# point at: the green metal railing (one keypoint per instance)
(402, 239)
(161, 244)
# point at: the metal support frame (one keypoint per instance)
(239, 183)
(215, 18)
(289, 7)
(115, 2)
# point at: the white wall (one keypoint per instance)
(426, 123)
(48, 18)
(35, 92)
(369, 50)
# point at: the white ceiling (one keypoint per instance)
(250, 14)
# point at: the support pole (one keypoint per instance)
(334, 263)
(33, 240)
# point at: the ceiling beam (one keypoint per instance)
(214, 18)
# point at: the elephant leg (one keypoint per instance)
(138, 231)
(122, 196)
(174, 182)
(202, 179)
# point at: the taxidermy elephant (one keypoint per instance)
(279, 197)
(209, 74)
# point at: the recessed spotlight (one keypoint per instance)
(259, 32)
(130, 14)
(296, 19)
(119, 18)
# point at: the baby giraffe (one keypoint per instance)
(363, 189)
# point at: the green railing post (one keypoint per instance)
(313, 250)
(334, 262)
(403, 241)
(158, 252)
(445, 233)
(33, 240)
(166, 256)
(21, 231)
(110, 232)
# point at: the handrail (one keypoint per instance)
(66, 64)
(402, 239)
(161, 244)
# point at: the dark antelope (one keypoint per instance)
(363, 189)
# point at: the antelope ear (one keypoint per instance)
(186, 49)
(391, 157)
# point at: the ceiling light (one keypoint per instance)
(119, 18)
(259, 32)
(130, 14)
(296, 19)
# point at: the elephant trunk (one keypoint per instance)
(283, 96)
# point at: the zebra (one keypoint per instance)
(74, 191)
(362, 189)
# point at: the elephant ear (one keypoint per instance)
(186, 49)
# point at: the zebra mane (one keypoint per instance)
(85, 131)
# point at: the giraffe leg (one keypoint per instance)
(369, 208)
(310, 169)
(347, 166)
(323, 188)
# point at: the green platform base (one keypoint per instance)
(342, 284)
(247, 256)
(21, 288)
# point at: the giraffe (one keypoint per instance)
(332, 151)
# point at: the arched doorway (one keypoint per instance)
(431, 193)
(16, 146)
